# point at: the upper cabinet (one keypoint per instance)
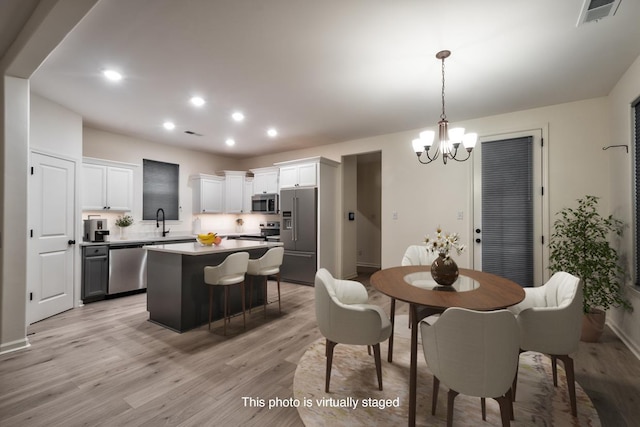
(298, 175)
(265, 180)
(248, 192)
(234, 185)
(230, 193)
(208, 191)
(106, 187)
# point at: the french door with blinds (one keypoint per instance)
(508, 200)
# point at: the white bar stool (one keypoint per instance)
(265, 266)
(229, 272)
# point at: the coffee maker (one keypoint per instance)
(95, 230)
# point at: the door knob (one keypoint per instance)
(71, 242)
(478, 230)
(478, 240)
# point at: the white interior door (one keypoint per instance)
(52, 237)
(536, 210)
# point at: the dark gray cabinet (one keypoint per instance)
(95, 272)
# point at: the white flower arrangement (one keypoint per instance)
(444, 242)
(124, 221)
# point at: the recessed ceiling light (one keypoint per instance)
(197, 101)
(272, 132)
(230, 142)
(169, 125)
(112, 75)
(237, 116)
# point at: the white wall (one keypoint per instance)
(54, 129)
(621, 189)
(14, 143)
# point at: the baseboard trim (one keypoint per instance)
(14, 346)
(350, 276)
(625, 339)
(368, 265)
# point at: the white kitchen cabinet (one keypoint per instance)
(298, 175)
(265, 180)
(107, 187)
(208, 191)
(246, 195)
(233, 191)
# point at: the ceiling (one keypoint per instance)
(326, 71)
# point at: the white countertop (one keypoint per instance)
(199, 249)
(145, 238)
(142, 239)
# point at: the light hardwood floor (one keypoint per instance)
(105, 365)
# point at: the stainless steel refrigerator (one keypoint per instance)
(298, 233)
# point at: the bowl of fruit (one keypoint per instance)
(209, 239)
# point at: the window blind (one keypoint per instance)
(160, 189)
(507, 209)
(636, 152)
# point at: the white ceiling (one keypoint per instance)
(327, 71)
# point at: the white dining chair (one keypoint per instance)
(474, 353)
(550, 320)
(418, 255)
(345, 316)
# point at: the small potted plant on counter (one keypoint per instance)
(123, 222)
(239, 224)
(580, 245)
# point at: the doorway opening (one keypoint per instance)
(362, 202)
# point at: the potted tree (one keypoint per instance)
(580, 245)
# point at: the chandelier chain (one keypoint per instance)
(443, 116)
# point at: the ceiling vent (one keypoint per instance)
(190, 132)
(595, 10)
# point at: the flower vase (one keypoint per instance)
(444, 270)
(123, 233)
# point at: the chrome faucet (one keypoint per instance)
(164, 233)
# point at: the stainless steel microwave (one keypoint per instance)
(265, 203)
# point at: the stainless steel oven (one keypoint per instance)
(265, 203)
(269, 229)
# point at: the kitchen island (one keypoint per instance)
(178, 298)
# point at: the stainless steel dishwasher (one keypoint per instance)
(127, 268)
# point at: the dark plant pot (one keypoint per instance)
(592, 325)
(444, 270)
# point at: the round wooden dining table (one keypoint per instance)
(475, 290)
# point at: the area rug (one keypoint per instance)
(354, 383)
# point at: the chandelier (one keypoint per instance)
(449, 140)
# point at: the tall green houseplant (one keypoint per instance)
(579, 245)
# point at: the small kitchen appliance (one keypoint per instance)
(95, 230)
(265, 203)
